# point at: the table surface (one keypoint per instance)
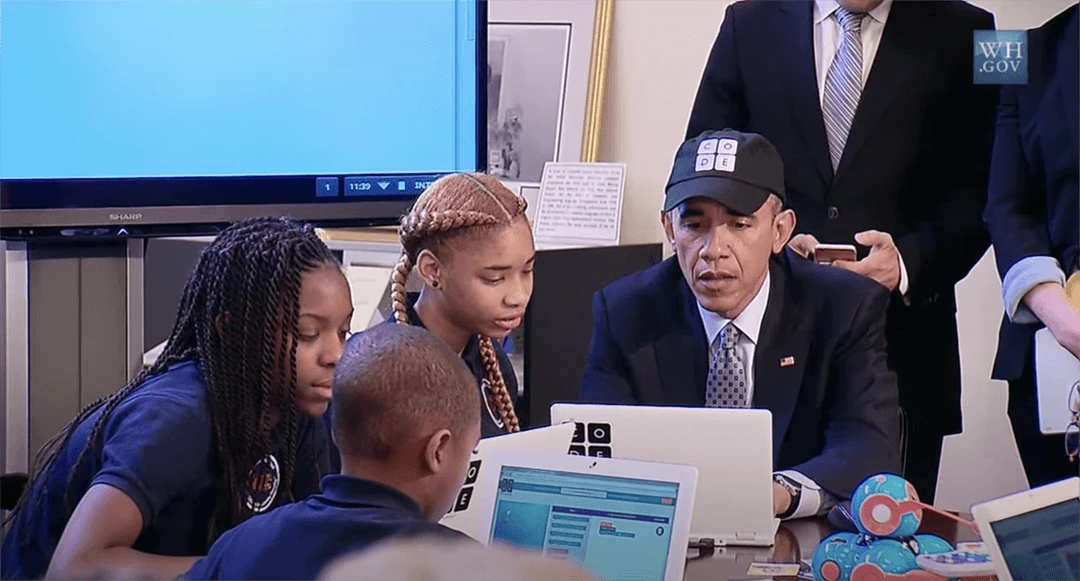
(795, 541)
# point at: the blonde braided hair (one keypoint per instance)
(455, 205)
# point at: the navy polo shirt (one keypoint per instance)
(298, 540)
(158, 448)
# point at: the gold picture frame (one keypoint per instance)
(598, 68)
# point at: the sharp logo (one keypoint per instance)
(125, 217)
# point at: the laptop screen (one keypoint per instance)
(1042, 544)
(620, 528)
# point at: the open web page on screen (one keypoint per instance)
(165, 88)
(1043, 544)
(618, 527)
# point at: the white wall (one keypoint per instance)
(658, 51)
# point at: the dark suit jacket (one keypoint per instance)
(835, 414)
(915, 164)
(1033, 205)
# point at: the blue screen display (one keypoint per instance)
(619, 528)
(294, 96)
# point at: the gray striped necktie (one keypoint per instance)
(843, 84)
(726, 386)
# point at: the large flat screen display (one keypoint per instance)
(142, 116)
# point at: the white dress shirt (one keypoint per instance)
(813, 500)
(827, 36)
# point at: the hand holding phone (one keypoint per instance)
(829, 253)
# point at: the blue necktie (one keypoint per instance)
(727, 374)
(843, 84)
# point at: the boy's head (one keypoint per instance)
(406, 412)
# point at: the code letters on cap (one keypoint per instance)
(716, 154)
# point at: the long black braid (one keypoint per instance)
(238, 318)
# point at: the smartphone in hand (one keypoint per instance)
(829, 253)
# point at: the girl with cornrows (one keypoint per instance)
(471, 245)
(218, 429)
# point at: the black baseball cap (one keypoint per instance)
(738, 170)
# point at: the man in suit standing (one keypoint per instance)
(1033, 215)
(735, 319)
(886, 143)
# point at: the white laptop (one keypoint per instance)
(1033, 535)
(619, 519)
(731, 448)
(1056, 372)
(463, 516)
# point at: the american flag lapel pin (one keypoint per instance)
(787, 361)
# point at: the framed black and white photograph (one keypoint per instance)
(547, 63)
(496, 67)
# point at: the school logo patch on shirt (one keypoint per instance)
(490, 402)
(263, 481)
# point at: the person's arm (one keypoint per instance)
(720, 101)
(1032, 279)
(810, 499)
(99, 536)
(940, 251)
(606, 374)
(1021, 279)
(862, 431)
(1016, 209)
(1052, 306)
(153, 448)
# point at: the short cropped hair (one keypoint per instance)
(392, 378)
(776, 203)
(426, 559)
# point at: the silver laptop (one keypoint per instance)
(1056, 372)
(463, 517)
(731, 448)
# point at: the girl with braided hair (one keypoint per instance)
(469, 240)
(221, 427)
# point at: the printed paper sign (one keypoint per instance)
(580, 205)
